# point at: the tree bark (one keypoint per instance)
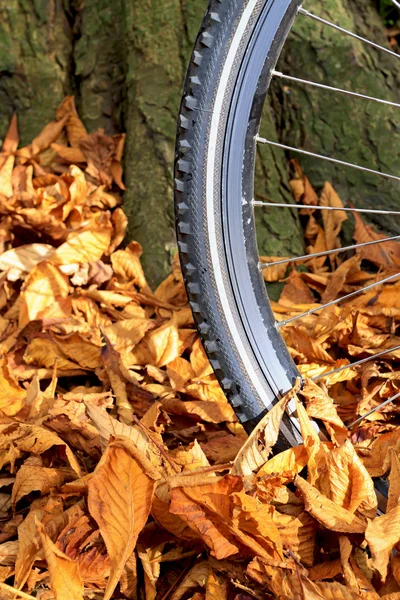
(125, 62)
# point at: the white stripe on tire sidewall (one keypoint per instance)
(212, 232)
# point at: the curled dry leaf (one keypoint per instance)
(381, 535)
(329, 514)
(65, 578)
(257, 448)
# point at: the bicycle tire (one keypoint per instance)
(227, 81)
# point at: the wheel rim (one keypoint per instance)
(238, 195)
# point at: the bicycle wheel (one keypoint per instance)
(230, 72)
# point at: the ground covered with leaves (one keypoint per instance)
(124, 472)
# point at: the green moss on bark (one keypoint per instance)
(35, 57)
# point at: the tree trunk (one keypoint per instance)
(125, 62)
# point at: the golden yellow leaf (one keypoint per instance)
(296, 291)
(199, 360)
(120, 496)
(120, 223)
(381, 255)
(126, 265)
(37, 440)
(274, 272)
(54, 519)
(45, 291)
(10, 143)
(350, 484)
(288, 584)
(84, 247)
(394, 480)
(41, 479)
(159, 347)
(107, 426)
(332, 219)
(196, 577)
(191, 458)
(43, 352)
(329, 514)
(205, 509)
(285, 465)
(298, 338)
(180, 371)
(65, 578)
(125, 334)
(73, 155)
(256, 518)
(48, 135)
(381, 535)
(376, 457)
(338, 278)
(160, 511)
(76, 131)
(210, 412)
(8, 553)
(6, 188)
(12, 396)
(257, 448)
(216, 587)
(298, 534)
(316, 450)
(325, 570)
(20, 261)
(320, 406)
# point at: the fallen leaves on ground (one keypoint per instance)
(124, 471)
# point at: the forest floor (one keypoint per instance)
(124, 472)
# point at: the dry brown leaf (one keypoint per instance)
(320, 406)
(381, 255)
(83, 247)
(20, 261)
(332, 219)
(198, 576)
(76, 131)
(216, 587)
(394, 480)
(339, 277)
(41, 479)
(11, 140)
(120, 496)
(329, 514)
(48, 135)
(274, 272)
(296, 291)
(205, 508)
(381, 535)
(350, 484)
(12, 396)
(65, 578)
(257, 448)
(44, 293)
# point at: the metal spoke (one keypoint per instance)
(346, 209)
(349, 33)
(355, 364)
(397, 4)
(328, 158)
(333, 302)
(371, 412)
(294, 259)
(333, 89)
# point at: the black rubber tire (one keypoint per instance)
(253, 372)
